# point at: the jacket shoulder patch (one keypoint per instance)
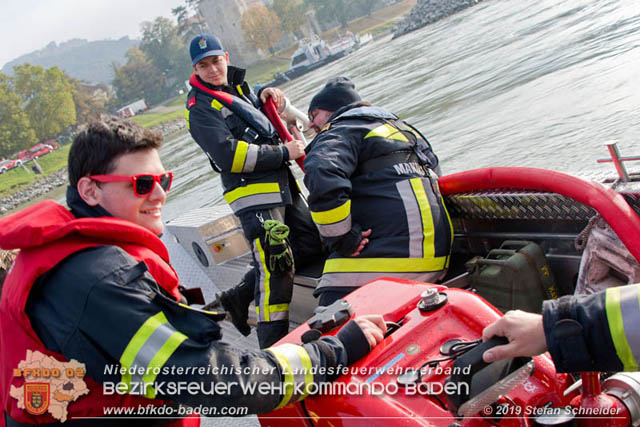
(191, 102)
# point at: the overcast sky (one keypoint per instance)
(28, 25)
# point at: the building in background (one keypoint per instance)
(224, 18)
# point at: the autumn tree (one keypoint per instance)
(165, 49)
(15, 130)
(291, 14)
(138, 79)
(90, 101)
(47, 98)
(262, 27)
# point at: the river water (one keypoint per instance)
(541, 84)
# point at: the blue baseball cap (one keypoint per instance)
(205, 45)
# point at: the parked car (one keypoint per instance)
(52, 143)
(34, 152)
(6, 165)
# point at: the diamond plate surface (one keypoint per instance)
(529, 205)
(505, 204)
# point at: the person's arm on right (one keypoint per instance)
(582, 333)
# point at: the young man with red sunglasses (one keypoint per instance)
(93, 284)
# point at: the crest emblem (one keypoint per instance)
(202, 43)
(36, 397)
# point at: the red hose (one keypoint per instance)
(272, 114)
(607, 202)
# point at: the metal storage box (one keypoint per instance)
(213, 236)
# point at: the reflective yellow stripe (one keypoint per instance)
(616, 327)
(306, 366)
(278, 307)
(199, 310)
(239, 89)
(186, 117)
(136, 343)
(288, 376)
(294, 360)
(428, 243)
(384, 265)
(275, 308)
(387, 131)
(239, 157)
(446, 212)
(332, 215)
(251, 189)
(264, 301)
(160, 359)
(216, 104)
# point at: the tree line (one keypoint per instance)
(39, 103)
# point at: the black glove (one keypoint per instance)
(346, 244)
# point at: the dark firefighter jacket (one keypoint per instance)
(240, 142)
(105, 304)
(364, 171)
(596, 332)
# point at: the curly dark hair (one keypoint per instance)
(96, 149)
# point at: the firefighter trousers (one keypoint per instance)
(273, 290)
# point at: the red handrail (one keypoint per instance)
(607, 202)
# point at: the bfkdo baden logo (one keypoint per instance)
(49, 385)
(36, 397)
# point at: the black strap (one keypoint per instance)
(386, 161)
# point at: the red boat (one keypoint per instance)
(414, 377)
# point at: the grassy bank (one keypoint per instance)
(22, 177)
(150, 119)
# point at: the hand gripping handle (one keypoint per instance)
(272, 114)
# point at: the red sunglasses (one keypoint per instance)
(142, 184)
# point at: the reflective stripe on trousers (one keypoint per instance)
(266, 311)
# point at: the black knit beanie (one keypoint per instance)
(338, 92)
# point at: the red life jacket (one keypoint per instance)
(47, 233)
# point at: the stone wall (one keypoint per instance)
(426, 12)
(43, 186)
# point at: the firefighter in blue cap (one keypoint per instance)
(224, 118)
(373, 193)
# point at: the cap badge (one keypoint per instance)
(202, 43)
